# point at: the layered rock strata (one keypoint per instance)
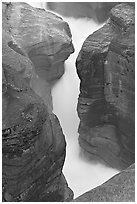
(33, 144)
(120, 188)
(105, 66)
(44, 36)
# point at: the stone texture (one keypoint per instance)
(120, 188)
(14, 56)
(44, 36)
(98, 11)
(105, 66)
(33, 144)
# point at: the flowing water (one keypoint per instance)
(81, 174)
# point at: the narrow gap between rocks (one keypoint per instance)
(81, 174)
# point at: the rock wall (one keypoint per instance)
(105, 66)
(44, 36)
(120, 188)
(33, 144)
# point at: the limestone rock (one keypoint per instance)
(33, 144)
(14, 56)
(105, 66)
(45, 37)
(120, 188)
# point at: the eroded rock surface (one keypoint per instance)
(120, 188)
(105, 66)
(44, 36)
(33, 144)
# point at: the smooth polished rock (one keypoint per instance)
(120, 188)
(106, 104)
(44, 36)
(33, 144)
(14, 56)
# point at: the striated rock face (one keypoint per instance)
(98, 11)
(120, 188)
(105, 66)
(33, 144)
(45, 37)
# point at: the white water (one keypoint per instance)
(82, 175)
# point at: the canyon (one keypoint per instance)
(36, 44)
(65, 98)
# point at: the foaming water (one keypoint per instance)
(82, 175)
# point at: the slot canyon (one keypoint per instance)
(68, 88)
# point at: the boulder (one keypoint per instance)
(120, 188)
(33, 144)
(105, 66)
(98, 11)
(44, 36)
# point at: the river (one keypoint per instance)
(81, 174)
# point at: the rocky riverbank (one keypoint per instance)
(106, 104)
(33, 144)
(120, 188)
(35, 45)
